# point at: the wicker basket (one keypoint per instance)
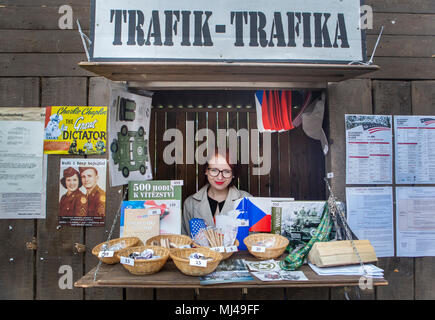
(143, 267)
(129, 242)
(225, 255)
(181, 260)
(177, 239)
(271, 252)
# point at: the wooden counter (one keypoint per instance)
(170, 277)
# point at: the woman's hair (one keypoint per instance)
(235, 167)
(69, 172)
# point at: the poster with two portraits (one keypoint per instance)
(82, 192)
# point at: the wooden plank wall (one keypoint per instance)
(38, 67)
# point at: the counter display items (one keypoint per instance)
(107, 251)
(77, 130)
(199, 260)
(162, 195)
(139, 220)
(298, 220)
(143, 260)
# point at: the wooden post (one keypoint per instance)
(349, 97)
(55, 244)
(423, 103)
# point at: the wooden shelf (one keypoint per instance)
(170, 277)
(225, 75)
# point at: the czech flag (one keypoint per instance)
(274, 110)
(259, 221)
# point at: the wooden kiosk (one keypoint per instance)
(175, 76)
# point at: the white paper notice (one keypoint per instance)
(370, 216)
(369, 150)
(415, 221)
(415, 149)
(21, 169)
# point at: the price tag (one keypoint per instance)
(258, 249)
(105, 254)
(128, 261)
(275, 204)
(218, 249)
(243, 222)
(154, 212)
(184, 246)
(198, 263)
(177, 183)
(231, 249)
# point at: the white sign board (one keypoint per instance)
(226, 30)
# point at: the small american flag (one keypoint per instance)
(196, 225)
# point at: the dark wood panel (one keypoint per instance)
(42, 65)
(254, 180)
(212, 127)
(424, 280)
(180, 169)
(67, 91)
(19, 92)
(160, 130)
(284, 165)
(16, 267)
(202, 124)
(152, 142)
(399, 272)
(243, 153)
(37, 41)
(404, 68)
(46, 3)
(171, 122)
(411, 6)
(40, 17)
(275, 165)
(402, 46)
(403, 24)
(392, 97)
(190, 169)
(423, 97)
(305, 155)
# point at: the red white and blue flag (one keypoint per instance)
(274, 110)
(427, 121)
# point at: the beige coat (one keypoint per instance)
(197, 206)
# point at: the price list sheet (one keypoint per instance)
(368, 149)
(22, 178)
(370, 216)
(415, 221)
(415, 149)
